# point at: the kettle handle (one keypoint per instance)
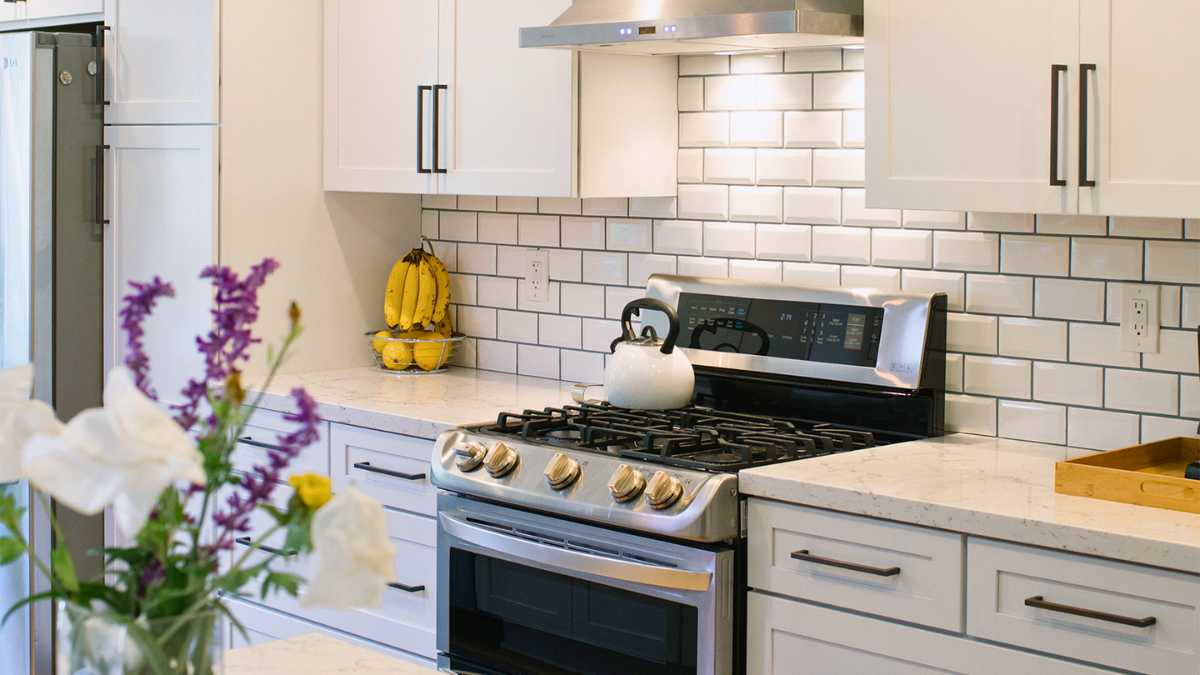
(635, 307)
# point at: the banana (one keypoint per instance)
(426, 292)
(445, 327)
(443, 288)
(393, 299)
(408, 302)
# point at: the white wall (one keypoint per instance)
(335, 248)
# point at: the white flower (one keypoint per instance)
(355, 557)
(124, 455)
(20, 419)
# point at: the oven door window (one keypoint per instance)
(510, 618)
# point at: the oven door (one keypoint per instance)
(531, 594)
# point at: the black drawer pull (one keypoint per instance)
(287, 553)
(853, 567)
(1056, 72)
(366, 466)
(407, 589)
(1039, 602)
(249, 440)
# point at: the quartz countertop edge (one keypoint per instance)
(316, 653)
(422, 405)
(983, 486)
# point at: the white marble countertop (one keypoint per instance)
(318, 654)
(983, 486)
(417, 405)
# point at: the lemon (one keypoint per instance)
(381, 341)
(397, 355)
(431, 355)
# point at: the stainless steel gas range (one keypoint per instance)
(593, 539)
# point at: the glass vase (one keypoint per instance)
(96, 642)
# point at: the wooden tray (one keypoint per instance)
(1150, 474)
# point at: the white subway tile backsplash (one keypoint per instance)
(853, 58)
(759, 92)
(537, 361)
(1189, 396)
(971, 333)
(448, 252)
(954, 373)
(598, 334)
(1191, 307)
(562, 206)
(1099, 344)
(1033, 338)
(1173, 261)
(439, 201)
(756, 270)
(854, 130)
(813, 60)
(1160, 428)
(497, 292)
(703, 267)
(477, 321)
(498, 228)
(1176, 352)
(970, 414)
(732, 166)
(1152, 228)
(476, 203)
(839, 168)
(999, 294)
(583, 232)
(1068, 383)
(462, 289)
(783, 242)
(704, 64)
(783, 167)
(691, 94)
(691, 165)
(882, 278)
(616, 298)
(966, 251)
(1101, 429)
(769, 62)
(703, 129)
(642, 265)
(477, 258)
(653, 207)
(703, 202)
(953, 284)
(996, 376)
(1191, 229)
(457, 225)
(1031, 254)
(605, 268)
(812, 206)
(850, 245)
(999, 222)
(1069, 299)
(756, 129)
(606, 206)
(1038, 422)
(729, 240)
(559, 331)
(812, 129)
(935, 220)
(429, 224)
(856, 213)
(585, 367)
(564, 264)
(837, 90)
(537, 230)
(1141, 391)
(492, 355)
(901, 248)
(629, 235)
(517, 204)
(517, 326)
(1057, 224)
(684, 237)
(812, 274)
(581, 299)
(1106, 258)
(760, 204)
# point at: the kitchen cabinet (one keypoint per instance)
(1078, 106)
(65, 9)
(455, 106)
(161, 203)
(162, 61)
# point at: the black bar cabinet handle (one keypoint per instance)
(1084, 69)
(101, 186)
(421, 89)
(1039, 602)
(407, 589)
(287, 553)
(248, 440)
(1056, 71)
(854, 567)
(437, 127)
(366, 466)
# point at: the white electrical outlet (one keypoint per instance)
(1139, 318)
(537, 276)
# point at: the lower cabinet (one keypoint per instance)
(792, 638)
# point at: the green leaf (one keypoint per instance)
(151, 651)
(29, 600)
(64, 569)
(233, 581)
(299, 534)
(288, 583)
(11, 550)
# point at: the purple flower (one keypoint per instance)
(235, 309)
(137, 306)
(257, 486)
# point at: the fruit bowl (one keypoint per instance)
(412, 352)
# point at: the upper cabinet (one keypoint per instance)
(162, 61)
(1072, 106)
(435, 96)
(64, 9)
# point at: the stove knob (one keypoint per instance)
(562, 471)
(469, 456)
(626, 483)
(663, 490)
(501, 460)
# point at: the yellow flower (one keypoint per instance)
(313, 488)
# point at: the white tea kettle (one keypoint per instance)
(645, 372)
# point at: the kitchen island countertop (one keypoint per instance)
(317, 654)
(982, 486)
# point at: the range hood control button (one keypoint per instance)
(626, 483)
(663, 490)
(501, 460)
(562, 471)
(469, 456)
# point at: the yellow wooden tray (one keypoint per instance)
(1150, 474)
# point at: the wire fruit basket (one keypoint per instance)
(412, 352)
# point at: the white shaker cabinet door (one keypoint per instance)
(959, 101)
(381, 61)
(48, 9)
(1141, 98)
(11, 11)
(507, 118)
(161, 201)
(162, 61)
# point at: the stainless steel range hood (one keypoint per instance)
(700, 26)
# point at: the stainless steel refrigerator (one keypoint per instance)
(51, 266)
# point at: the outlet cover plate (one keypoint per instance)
(1139, 318)
(537, 276)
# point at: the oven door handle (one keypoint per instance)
(577, 561)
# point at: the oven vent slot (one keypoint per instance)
(567, 544)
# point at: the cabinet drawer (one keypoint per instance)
(390, 467)
(1007, 585)
(873, 566)
(261, 436)
(792, 638)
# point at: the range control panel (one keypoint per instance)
(805, 331)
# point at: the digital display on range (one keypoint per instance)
(792, 330)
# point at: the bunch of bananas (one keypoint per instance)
(415, 308)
